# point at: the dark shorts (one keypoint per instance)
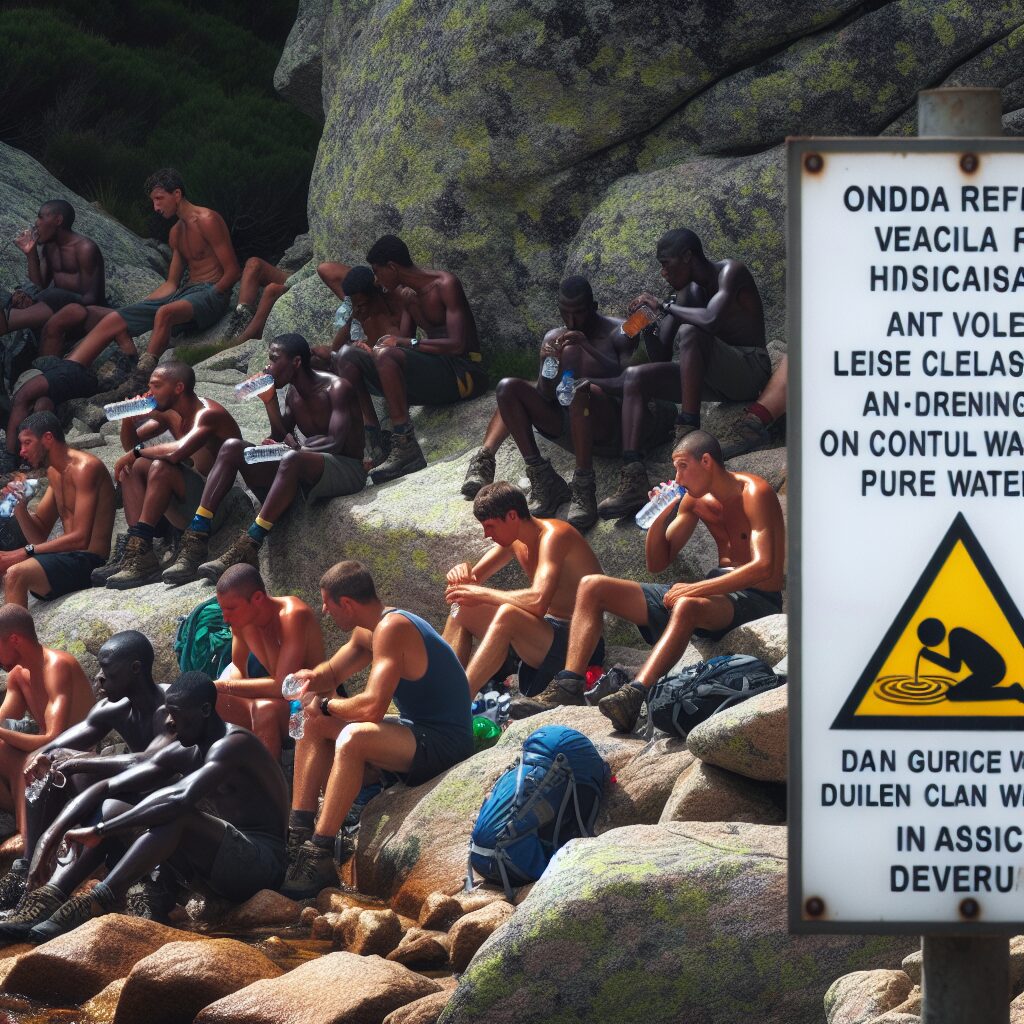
(67, 571)
(533, 679)
(58, 298)
(437, 750)
(254, 668)
(67, 380)
(342, 475)
(747, 605)
(208, 306)
(658, 424)
(429, 379)
(247, 862)
(735, 373)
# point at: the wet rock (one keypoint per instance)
(308, 916)
(706, 793)
(749, 738)
(862, 996)
(469, 933)
(173, 984)
(266, 909)
(423, 1011)
(421, 950)
(439, 911)
(341, 988)
(103, 1006)
(337, 900)
(644, 783)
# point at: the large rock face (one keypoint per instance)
(540, 139)
(683, 921)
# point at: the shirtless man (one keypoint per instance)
(235, 844)
(271, 637)
(199, 243)
(165, 479)
(717, 316)
(534, 621)
(442, 368)
(48, 684)
(81, 494)
(595, 349)
(743, 515)
(327, 463)
(347, 740)
(375, 312)
(132, 704)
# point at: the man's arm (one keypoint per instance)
(86, 734)
(708, 317)
(346, 661)
(90, 271)
(174, 271)
(204, 427)
(215, 231)
(36, 526)
(88, 483)
(38, 273)
(280, 426)
(455, 341)
(669, 533)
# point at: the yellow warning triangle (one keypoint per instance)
(953, 657)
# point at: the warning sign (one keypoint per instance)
(954, 655)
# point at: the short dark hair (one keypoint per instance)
(699, 443)
(495, 501)
(40, 423)
(679, 241)
(64, 208)
(15, 619)
(576, 287)
(349, 579)
(294, 345)
(389, 249)
(242, 579)
(359, 281)
(179, 371)
(192, 690)
(131, 645)
(166, 178)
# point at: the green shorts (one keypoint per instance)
(735, 373)
(208, 306)
(341, 475)
(429, 379)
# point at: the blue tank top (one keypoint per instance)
(440, 697)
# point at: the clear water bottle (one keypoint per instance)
(20, 490)
(665, 494)
(355, 331)
(566, 388)
(290, 686)
(265, 453)
(35, 789)
(254, 385)
(343, 314)
(549, 368)
(296, 720)
(456, 608)
(130, 407)
(26, 725)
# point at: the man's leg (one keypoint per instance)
(23, 402)
(111, 328)
(314, 755)
(270, 723)
(23, 577)
(32, 317)
(460, 631)
(332, 275)
(167, 318)
(405, 456)
(347, 364)
(12, 782)
(513, 627)
(70, 320)
(271, 293)
(754, 432)
(593, 416)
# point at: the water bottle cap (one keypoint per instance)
(295, 706)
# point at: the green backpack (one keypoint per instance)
(203, 640)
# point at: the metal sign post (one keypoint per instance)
(907, 589)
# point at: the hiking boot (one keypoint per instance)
(480, 472)
(406, 457)
(377, 446)
(630, 496)
(138, 381)
(747, 435)
(564, 690)
(312, 870)
(297, 838)
(583, 509)
(140, 566)
(99, 576)
(35, 907)
(244, 549)
(195, 549)
(153, 897)
(622, 708)
(13, 884)
(611, 682)
(66, 918)
(547, 490)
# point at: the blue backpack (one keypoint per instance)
(550, 795)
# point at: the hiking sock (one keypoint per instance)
(688, 419)
(202, 521)
(629, 455)
(302, 820)
(259, 529)
(758, 410)
(144, 530)
(534, 460)
(323, 842)
(402, 428)
(104, 896)
(640, 686)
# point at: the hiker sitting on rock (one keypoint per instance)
(164, 479)
(743, 515)
(200, 244)
(534, 622)
(347, 740)
(440, 369)
(594, 348)
(271, 637)
(47, 684)
(717, 317)
(131, 704)
(761, 420)
(327, 463)
(81, 493)
(374, 314)
(235, 844)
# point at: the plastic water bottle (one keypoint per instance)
(254, 385)
(131, 407)
(21, 490)
(355, 330)
(35, 788)
(343, 314)
(456, 608)
(296, 720)
(549, 368)
(26, 725)
(290, 686)
(566, 388)
(665, 494)
(265, 453)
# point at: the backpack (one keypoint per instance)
(551, 794)
(203, 640)
(680, 702)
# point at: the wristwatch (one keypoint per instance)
(30, 550)
(324, 709)
(414, 342)
(138, 449)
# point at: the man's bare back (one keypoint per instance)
(85, 473)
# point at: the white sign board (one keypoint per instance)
(907, 466)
